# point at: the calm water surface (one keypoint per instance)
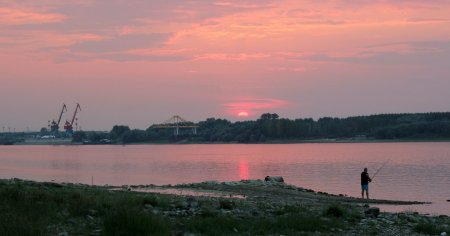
(415, 171)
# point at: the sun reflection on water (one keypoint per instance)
(243, 169)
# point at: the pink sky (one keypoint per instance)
(140, 62)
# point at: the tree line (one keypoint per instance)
(270, 127)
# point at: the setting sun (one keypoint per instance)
(243, 114)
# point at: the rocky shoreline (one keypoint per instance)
(247, 207)
(260, 189)
(276, 195)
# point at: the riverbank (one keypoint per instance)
(54, 141)
(68, 141)
(210, 208)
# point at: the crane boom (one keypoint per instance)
(54, 126)
(64, 108)
(68, 126)
(74, 114)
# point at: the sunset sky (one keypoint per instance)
(138, 63)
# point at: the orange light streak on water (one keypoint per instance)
(243, 169)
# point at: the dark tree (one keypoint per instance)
(78, 136)
(118, 131)
(271, 127)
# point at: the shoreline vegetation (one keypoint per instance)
(269, 128)
(69, 141)
(247, 207)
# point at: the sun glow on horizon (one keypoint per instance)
(243, 114)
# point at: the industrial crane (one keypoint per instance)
(68, 126)
(54, 127)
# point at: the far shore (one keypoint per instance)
(68, 141)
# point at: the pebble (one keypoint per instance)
(96, 232)
(71, 221)
(372, 212)
(225, 212)
(92, 212)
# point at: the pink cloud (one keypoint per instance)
(288, 69)
(11, 16)
(230, 56)
(197, 56)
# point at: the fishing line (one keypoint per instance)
(381, 167)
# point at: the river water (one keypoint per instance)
(414, 171)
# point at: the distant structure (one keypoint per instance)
(68, 126)
(176, 123)
(54, 125)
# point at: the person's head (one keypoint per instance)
(365, 169)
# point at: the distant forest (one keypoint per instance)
(271, 128)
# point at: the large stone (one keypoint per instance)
(92, 212)
(192, 202)
(372, 212)
(274, 179)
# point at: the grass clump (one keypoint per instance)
(288, 220)
(134, 221)
(295, 223)
(25, 211)
(343, 211)
(335, 211)
(215, 225)
(430, 229)
(152, 200)
(29, 208)
(290, 209)
(227, 204)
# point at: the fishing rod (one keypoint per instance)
(381, 167)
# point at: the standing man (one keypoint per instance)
(365, 179)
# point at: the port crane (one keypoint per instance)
(68, 126)
(54, 127)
